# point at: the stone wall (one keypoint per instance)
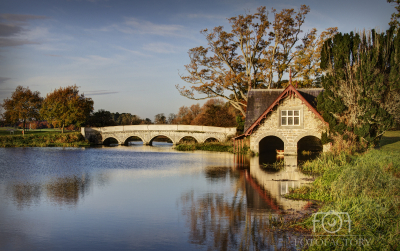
(310, 125)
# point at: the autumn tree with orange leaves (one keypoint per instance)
(254, 54)
(23, 106)
(66, 106)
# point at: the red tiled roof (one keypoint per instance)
(289, 91)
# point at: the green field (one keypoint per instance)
(367, 187)
(12, 131)
(41, 138)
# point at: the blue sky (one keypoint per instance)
(127, 55)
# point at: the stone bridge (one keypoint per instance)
(147, 133)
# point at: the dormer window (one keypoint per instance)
(290, 117)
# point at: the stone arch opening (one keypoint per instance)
(188, 139)
(309, 144)
(133, 140)
(110, 141)
(211, 140)
(161, 140)
(268, 147)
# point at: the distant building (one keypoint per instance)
(284, 119)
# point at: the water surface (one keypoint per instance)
(141, 198)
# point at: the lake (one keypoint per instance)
(143, 198)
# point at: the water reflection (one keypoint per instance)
(245, 217)
(68, 190)
(62, 191)
(25, 194)
(276, 184)
(124, 197)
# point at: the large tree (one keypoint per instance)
(362, 84)
(394, 21)
(65, 106)
(101, 118)
(23, 106)
(254, 54)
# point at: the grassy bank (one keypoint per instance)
(367, 187)
(209, 146)
(43, 139)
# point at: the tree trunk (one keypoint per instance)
(62, 127)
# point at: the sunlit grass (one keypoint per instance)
(211, 146)
(7, 131)
(366, 186)
(44, 139)
(391, 141)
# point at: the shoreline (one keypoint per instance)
(44, 139)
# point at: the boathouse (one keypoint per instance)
(284, 119)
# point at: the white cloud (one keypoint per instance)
(14, 31)
(3, 79)
(96, 61)
(137, 26)
(20, 17)
(152, 28)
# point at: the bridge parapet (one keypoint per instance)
(148, 132)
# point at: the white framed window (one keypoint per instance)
(290, 117)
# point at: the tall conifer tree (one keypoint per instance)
(362, 83)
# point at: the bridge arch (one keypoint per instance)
(163, 135)
(212, 139)
(125, 141)
(188, 136)
(110, 140)
(191, 136)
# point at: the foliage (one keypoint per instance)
(146, 121)
(253, 54)
(171, 118)
(160, 119)
(126, 119)
(240, 121)
(213, 146)
(24, 105)
(362, 85)
(186, 115)
(307, 59)
(215, 112)
(209, 146)
(366, 187)
(65, 106)
(101, 118)
(45, 139)
(394, 21)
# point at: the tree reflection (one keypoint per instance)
(25, 194)
(224, 221)
(67, 190)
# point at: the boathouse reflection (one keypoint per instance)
(245, 217)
